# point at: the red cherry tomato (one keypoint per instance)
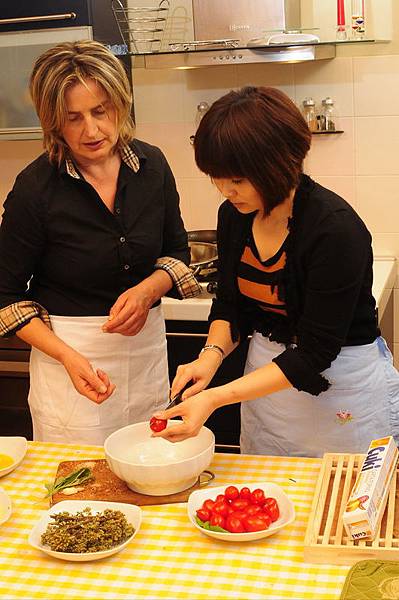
(220, 508)
(231, 492)
(258, 497)
(257, 522)
(245, 493)
(217, 521)
(157, 424)
(203, 514)
(234, 525)
(208, 505)
(253, 509)
(271, 507)
(240, 504)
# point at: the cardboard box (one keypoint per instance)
(366, 503)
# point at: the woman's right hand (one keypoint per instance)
(200, 371)
(94, 385)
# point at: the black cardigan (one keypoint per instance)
(327, 280)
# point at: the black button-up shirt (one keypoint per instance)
(61, 246)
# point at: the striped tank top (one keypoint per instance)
(261, 281)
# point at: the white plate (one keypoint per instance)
(287, 511)
(14, 446)
(131, 512)
(5, 506)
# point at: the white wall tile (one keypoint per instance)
(332, 155)
(174, 141)
(377, 145)
(267, 74)
(344, 186)
(376, 85)
(206, 85)
(158, 95)
(378, 202)
(324, 78)
(200, 204)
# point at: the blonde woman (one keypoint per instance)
(91, 239)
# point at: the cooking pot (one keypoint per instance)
(202, 235)
(203, 257)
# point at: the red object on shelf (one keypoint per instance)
(341, 13)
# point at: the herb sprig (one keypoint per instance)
(75, 478)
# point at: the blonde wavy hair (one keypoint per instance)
(69, 63)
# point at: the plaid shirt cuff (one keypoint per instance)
(14, 316)
(182, 276)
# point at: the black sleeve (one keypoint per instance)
(22, 240)
(335, 274)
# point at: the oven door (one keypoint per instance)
(26, 30)
(14, 388)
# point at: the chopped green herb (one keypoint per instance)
(76, 478)
(87, 532)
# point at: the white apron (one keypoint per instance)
(137, 365)
(362, 404)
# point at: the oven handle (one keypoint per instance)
(13, 366)
(59, 17)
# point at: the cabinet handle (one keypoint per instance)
(9, 366)
(59, 17)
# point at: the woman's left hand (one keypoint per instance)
(129, 313)
(194, 412)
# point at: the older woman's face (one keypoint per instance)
(90, 129)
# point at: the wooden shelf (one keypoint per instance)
(327, 132)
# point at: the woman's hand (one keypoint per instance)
(200, 371)
(94, 385)
(194, 412)
(129, 313)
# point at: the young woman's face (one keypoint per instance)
(241, 193)
(90, 129)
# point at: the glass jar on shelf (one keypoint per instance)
(309, 113)
(328, 115)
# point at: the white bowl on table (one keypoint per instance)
(132, 513)
(286, 507)
(155, 466)
(15, 447)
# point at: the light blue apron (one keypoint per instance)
(361, 404)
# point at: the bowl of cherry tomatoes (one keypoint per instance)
(240, 513)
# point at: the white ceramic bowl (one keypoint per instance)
(155, 466)
(14, 446)
(287, 511)
(5, 506)
(131, 511)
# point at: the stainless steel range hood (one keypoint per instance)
(202, 58)
(217, 32)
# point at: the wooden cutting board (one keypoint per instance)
(107, 486)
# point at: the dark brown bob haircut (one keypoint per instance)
(255, 133)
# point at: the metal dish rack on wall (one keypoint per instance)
(141, 27)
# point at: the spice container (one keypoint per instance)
(309, 113)
(328, 115)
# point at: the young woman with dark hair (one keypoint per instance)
(295, 272)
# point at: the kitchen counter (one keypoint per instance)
(197, 309)
(168, 558)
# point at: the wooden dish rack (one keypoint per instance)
(326, 540)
